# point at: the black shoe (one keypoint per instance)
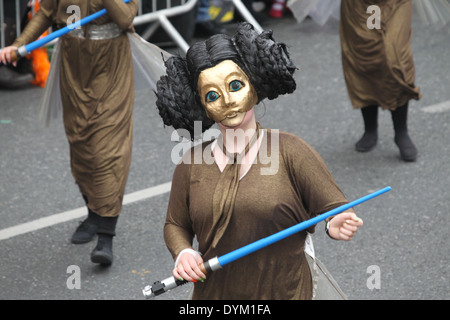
(102, 253)
(209, 28)
(87, 229)
(85, 232)
(367, 142)
(10, 79)
(408, 151)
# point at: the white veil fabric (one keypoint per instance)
(148, 67)
(148, 62)
(319, 10)
(431, 12)
(50, 106)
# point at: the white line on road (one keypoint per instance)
(77, 213)
(437, 108)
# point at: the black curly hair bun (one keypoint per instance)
(176, 100)
(270, 67)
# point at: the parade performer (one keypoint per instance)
(92, 73)
(377, 60)
(379, 68)
(225, 192)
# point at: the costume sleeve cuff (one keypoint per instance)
(191, 251)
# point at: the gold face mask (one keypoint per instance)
(226, 93)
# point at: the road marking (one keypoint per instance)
(437, 108)
(78, 213)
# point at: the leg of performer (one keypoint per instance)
(370, 136)
(88, 228)
(103, 253)
(408, 151)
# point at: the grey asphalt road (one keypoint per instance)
(405, 234)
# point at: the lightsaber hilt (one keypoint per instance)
(216, 263)
(160, 287)
(18, 54)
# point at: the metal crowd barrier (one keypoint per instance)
(2, 21)
(156, 18)
(160, 18)
(18, 17)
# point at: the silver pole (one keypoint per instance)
(247, 15)
(17, 18)
(2, 29)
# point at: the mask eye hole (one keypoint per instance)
(236, 85)
(211, 96)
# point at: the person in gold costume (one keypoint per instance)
(97, 92)
(228, 193)
(379, 68)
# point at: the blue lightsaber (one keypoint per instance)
(217, 263)
(26, 49)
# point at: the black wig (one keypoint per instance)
(266, 63)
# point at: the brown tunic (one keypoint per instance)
(298, 188)
(97, 90)
(378, 63)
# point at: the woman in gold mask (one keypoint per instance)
(228, 193)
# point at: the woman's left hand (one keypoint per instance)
(344, 226)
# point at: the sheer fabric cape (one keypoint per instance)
(148, 65)
(430, 12)
(319, 10)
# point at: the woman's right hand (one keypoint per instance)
(188, 268)
(5, 55)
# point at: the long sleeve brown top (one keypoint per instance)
(298, 187)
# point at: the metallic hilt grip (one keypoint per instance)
(159, 287)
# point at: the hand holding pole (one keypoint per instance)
(217, 263)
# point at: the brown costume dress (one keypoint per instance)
(97, 90)
(298, 187)
(378, 63)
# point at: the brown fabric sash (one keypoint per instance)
(226, 189)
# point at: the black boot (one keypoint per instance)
(408, 151)
(103, 253)
(370, 137)
(87, 229)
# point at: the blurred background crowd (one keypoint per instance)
(208, 17)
